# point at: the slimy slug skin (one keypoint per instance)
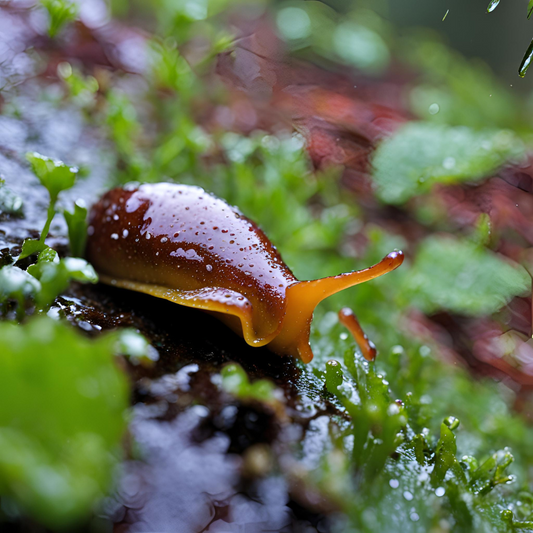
(183, 244)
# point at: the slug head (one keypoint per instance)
(304, 296)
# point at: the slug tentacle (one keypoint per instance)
(348, 319)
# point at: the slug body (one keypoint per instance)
(185, 245)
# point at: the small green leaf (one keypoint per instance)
(55, 277)
(135, 346)
(80, 270)
(492, 472)
(460, 276)
(444, 455)
(77, 229)
(62, 416)
(30, 247)
(236, 382)
(530, 9)
(48, 255)
(334, 376)
(421, 154)
(53, 174)
(9, 202)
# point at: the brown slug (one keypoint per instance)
(183, 244)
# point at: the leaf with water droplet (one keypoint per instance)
(526, 61)
(30, 247)
(334, 376)
(492, 6)
(52, 173)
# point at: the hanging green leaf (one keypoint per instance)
(526, 61)
(492, 6)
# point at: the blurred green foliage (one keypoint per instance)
(460, 276)
(236, 382)
(136, 348)
(419, 155)
(62, 406)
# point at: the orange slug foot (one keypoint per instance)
(228, 306)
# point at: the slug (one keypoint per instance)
(183, 244)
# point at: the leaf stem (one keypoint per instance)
(51, 214)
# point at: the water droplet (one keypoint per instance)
(164, 239)
(148, 235)
(114, 236)
(449, 163)
(439, 492)
(407, 495)
(394, 483)
(452, 422)
(434, 109)
(208, 268)
(492, 6)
